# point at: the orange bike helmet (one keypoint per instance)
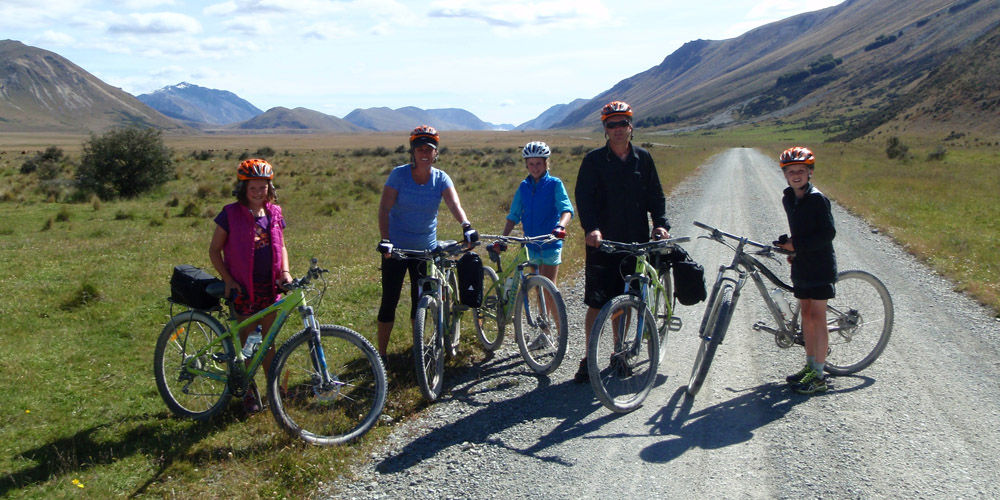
(796, 155)
(424, 134)
(254, 168)
(616, 108)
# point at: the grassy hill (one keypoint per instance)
(41, 91)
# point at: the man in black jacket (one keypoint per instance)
(617, 192)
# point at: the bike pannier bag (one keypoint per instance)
(470, 280)
(689, 280)
(187, 286)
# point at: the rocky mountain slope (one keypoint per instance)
(194, 103)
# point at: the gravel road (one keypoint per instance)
(922, 422)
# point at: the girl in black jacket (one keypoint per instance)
(814, 266)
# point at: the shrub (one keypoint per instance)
(264, 152)
(938, 154)
(48, 163)
(124, 162)
(895, 148)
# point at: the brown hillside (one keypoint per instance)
(42, 91)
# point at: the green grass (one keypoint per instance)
(85, 285)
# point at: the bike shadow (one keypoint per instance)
(483, 388)
(730, 422)
(103, 444)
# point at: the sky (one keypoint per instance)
(506, 61)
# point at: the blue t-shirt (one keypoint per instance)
(413, 219)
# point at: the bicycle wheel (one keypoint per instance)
(428, 348)
(335, 412)
(623, 354)
(490, 327)
(450, 298)
(860, 322)
(662, 307)
(182, 346)
(540, 324)
(715, 329)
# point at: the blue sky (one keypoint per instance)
(504, 60)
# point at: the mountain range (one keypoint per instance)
(849, 69)
(200, 105)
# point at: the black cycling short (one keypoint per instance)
(822, 292)
(393, 272)
(605, 276)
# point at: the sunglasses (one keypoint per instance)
(617, 124)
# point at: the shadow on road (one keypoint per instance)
(566, 402)
(729, 422)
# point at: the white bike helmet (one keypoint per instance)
(536, 149)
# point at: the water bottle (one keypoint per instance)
(253, 341)
(508, 286)
(779, 298)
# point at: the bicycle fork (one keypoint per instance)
(318, 358)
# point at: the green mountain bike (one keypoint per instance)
(530, 299)
(326, 384)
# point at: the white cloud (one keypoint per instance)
(50, 38)
(514, 14)
(157, 23)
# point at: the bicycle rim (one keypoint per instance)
(860, 321)
(540, 324)
(185, 393)
(622, 357)
(715, 328)
(489, 317)
(330, 413)
(428, 350)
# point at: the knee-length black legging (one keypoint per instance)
(393, 271)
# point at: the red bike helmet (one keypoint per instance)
(254, 168)
(796, 155)
(424, 134)
(616, 108)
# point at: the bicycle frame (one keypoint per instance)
(293, 300)
(645, 274)
(746, 266)
(522, 259)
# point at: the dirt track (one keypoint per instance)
(922, 422)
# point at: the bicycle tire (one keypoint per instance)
(662, 308)
(624, 387)
(189, 395)
(718, 322)
(860, 319)
(337, 413)
(542, 351)
(428, 348)
(488, 318)
(454, 335)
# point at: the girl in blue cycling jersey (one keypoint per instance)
(541, 205)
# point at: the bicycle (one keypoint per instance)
(326, 384)
(530, 299)
(862, 305)
(631, 329)
(438, 305)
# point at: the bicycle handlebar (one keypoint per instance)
(639, 248)
(541, 239)
(447, 248)
(717, 235)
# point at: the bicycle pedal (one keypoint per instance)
(758, 326)
(675, 324)
(220, 357)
